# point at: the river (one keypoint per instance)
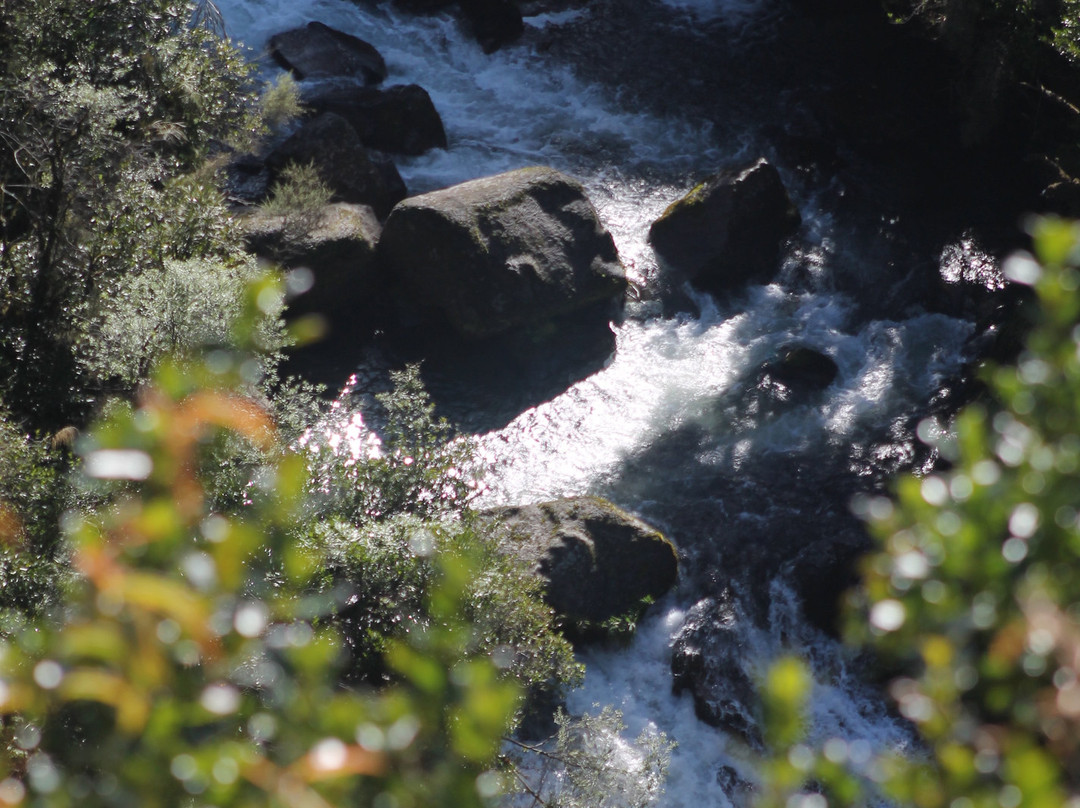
(640, 100)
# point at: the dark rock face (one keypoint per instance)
(821, 573)
(338, 249)
(505, 252)
(801, 369)
(728, 231)
(796, 374)
(400, 119)
(354, 174)
(706, 661)
(493, 23)
(598, 561)
(319, 51)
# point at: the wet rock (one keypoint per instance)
(352, 172)
(336, 245)
(401, 119)
(791, 378)
(423, 6)
(319, 51)
(512, 251)
(728, 231)
(801, 368)
(598, 561)
(732, 783)
(706, 661)
(493, 23)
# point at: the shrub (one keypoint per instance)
(194, 659)
(383, 509)
(280, 102)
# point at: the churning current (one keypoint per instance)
(669, 428)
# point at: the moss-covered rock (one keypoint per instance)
(728, 230)
(599, 562)
(511, 251)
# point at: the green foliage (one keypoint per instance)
(193, 659)
(34, 492)
(975, 594)
(388, 567)
(384, 509)
(417, 467)
(177, 307)
(280, 102)
(299, 197)
(102, 107)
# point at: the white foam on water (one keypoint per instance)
(637, 681)
(515, 108)
(670, 373)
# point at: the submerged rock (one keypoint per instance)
(599, 561)
(401, 119)
(728, 231)
(505, 252)
(800, 369)
(354, 174)
(319, 51)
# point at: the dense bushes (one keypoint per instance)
(108, 111)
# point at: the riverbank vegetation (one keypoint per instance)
(197, 601)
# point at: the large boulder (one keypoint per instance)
(401, 119)
(352, 172)
(597, 560)
(505, 252)
(728, 231)
(319, 51)
(336, 246)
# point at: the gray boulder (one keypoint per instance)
(598, 561)
(336, 244)
(401, 119)
(505, 252)
(319, 51)
(728, 231)
(352, 172)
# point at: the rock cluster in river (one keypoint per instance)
(513, 252)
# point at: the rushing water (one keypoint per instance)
(664, 429)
